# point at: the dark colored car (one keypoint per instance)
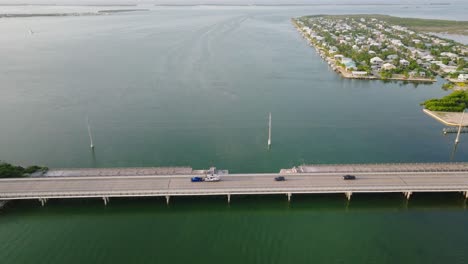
(280, 178)
(349, 177)
(196, 179)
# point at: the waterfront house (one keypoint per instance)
(376, 61)
(388, 66)
(463, 77)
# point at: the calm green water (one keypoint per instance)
(312, 229)
(193, 86)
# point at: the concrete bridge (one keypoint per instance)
(104, 184)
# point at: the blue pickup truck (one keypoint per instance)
(196, 179)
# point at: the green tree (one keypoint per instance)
(435, 67)
(445, 61)
(413, 65)
(461, 64)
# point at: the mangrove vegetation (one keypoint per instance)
(11, 171)
(454, 102)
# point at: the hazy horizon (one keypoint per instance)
(223, 2)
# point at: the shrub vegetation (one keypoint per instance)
(454, 102)
(11, 171)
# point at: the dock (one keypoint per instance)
(453, 130)
(406, 178)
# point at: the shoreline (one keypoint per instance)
(447, 118)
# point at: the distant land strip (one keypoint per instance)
(99, 12)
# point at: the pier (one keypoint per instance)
(105, 184)
(454, 130)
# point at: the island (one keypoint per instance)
(387, 48)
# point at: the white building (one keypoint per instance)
(404, 63)
(449, 54)
(388, 66)
(428, 57)
(338, 57)
(376, 61)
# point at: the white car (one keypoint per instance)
(212, 178)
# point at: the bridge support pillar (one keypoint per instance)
(229, 198)
(348, 195)
(106, 200)
(167, 199)
(408, 195)
(466, 194)
(289, 196)
(43, 201)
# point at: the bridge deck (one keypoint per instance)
(445, 178)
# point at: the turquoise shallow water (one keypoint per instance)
(193, 86)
